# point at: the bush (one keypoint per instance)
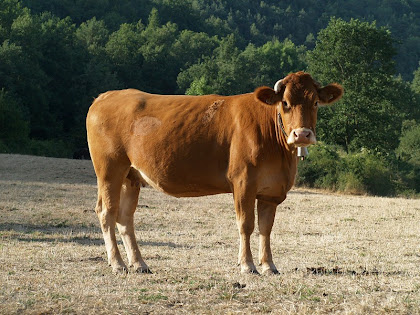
(350, 183)
(14, 132)
(53, 148)
(13, 126)
(319, 170)
(408, 153)
(356, 173)
(409, 147)
(369, 172)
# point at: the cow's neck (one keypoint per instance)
(283, 159)
(281, 135)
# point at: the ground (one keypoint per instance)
(335, 253)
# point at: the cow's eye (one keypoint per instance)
(285, 104)
(316, 104)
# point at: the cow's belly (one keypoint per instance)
(184, 187)
(178, 162)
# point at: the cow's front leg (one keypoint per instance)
(266, 213)
(245, 219)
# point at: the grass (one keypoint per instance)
(336, 254)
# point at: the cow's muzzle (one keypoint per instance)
(301, 137)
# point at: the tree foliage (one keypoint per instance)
(415, 85)
(359, 55)
(57, 55)
(232, 71)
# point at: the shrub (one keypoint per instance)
(13, 126)
(319, 170)
(53, 148)
(408, 153)
(350, 183)
(369, 172)
(409, 147)
(357, 173)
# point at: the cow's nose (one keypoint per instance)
(301, 135)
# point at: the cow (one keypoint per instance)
(190, 146)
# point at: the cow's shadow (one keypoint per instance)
(68, 234)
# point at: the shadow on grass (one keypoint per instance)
(49, 234)
(362, 271)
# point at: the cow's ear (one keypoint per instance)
(330, 93)
(268, 96)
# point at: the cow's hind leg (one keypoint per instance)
(107, 208)
(125, 222)
(266, 213)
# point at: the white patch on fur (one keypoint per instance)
(145, 125)
(211, 111)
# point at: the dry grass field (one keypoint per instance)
(336, 254)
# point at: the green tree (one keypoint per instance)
(142, 55)
(63, 64)
(415, 85)
(9, 11)
(231, 71)
(98, 75)
(270, 62)
(123, 52)
(159, 64)
(217, 73)
(358, 55)
(191, 47)
(93, 34)
(14, 128)
(31, 80)
(11, 64)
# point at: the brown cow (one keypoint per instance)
(202, 145)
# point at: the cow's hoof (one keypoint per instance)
(120, 270)
(250, 271)
(249, 268)
(270, 272)
(144, 270)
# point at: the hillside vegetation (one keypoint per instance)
(56, 56)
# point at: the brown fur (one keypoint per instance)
(200, 145)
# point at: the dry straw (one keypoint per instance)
(336, 254)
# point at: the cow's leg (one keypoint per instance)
(245, 219)
(266, 213)
(110, 180)
(107, 207)
(125, 221)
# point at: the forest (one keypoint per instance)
(56, 56)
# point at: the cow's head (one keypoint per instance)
(297, 98)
